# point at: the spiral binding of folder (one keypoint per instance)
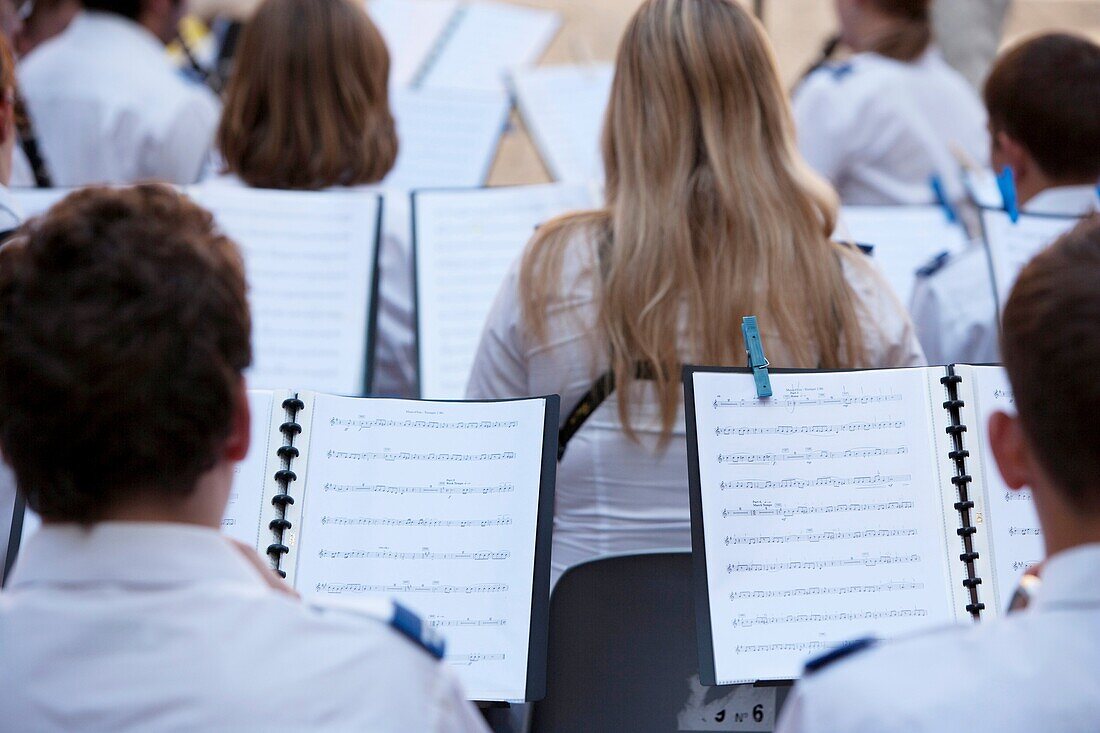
(962, 481)
(284, 476)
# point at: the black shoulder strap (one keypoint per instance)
(28, 140)
(601, 390)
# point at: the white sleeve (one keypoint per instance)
(500, 368)
(888, 334)
(181, 156)
(793, 719)
(815, 106)
(453, 712)
(928, 320)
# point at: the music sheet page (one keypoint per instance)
(465, 243)
(1015, 538)
(563, 107)
(905, 239)
(448, 138)
(823, 515)
(411, 29)
(434, 505)
(309, 259)
(484, 40)
(1012, 245)
(243, 514)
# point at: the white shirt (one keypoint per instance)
(614, 495)
(954, 307)
(109, 107)
(11, 213)
(158, 627)
(1037, 670)
(395, 336)
(879, 129)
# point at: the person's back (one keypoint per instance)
(695, 234)
(109, 107)
(1035, 669)
(881, 124)
(124, 332)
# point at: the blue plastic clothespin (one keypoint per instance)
(941, 198)
(1006, 182)
(757, 361)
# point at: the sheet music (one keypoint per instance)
(309, 259)
(563, 108)
(1016, 540)
(435, 505)
(823, 515)
(1012, 245)
(411, 29)
(484, 40)
(448, 139)
(905, 238)
(243, 513)
(465, 243)
(37, 201)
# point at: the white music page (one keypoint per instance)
(435, 505)
(1012, 245)
(411, 28)
(243, 516)
(823, 515)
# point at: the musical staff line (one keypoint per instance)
(407, 456)
(835, 590)
(830, 536)
(796, 400)
(338, 588)
(745, 622)
(1024, 532)
(447, 488)
(756, 567)
(852, 427)
(809, 455)
(360, 424)
(767, 509)
(877, 481)
(798, 646)
(440, 622)
(423, 555)
(500, 521)
(463, 660)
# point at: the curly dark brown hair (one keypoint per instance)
(124, 331)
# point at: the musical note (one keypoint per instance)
(1020, 495)
(809, 455)
(830, 536)
(767, 509)
(466, 659)
(500, 521)
(361, 423)
(440, 622)
(846, 562)
(1024, 531)
(801, 646)
(807, 397)
(422, 555)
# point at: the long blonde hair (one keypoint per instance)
(711, 214)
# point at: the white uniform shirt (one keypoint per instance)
(109, 107)
(879, 129)
(395, 336)
(158, 627)
(1037, 670)
(954, 307)
(614, 495)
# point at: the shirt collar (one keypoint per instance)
(134, 553)
(117, 33)
(1064, 201)
(1071, 577)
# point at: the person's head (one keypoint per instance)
(1051, 350)
(7, 110)
(1042, 96)
(898, 29)
(307, 106)
(711, 213)
(160, 17)
(124, 331)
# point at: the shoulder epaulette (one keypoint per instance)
(934, 265)
(840, 71)
(867, 249)
(411, 626)
(841, 652)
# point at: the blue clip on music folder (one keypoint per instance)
(940, 192)
(1006, 182)
(757, 361)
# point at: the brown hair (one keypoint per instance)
(711, 214)
(7, 67)
(1045, 94)
(912, 33)
(1051, 347)
(124, 330)
(307, 106)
